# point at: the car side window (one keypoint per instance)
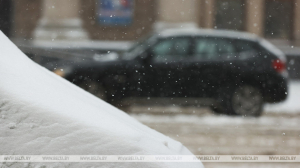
(244, 46)
(213, 48)
(245, 49)
(172, 49)
(205, 48)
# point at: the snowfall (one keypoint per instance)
(42, 114)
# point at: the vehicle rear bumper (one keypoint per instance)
(276, 89)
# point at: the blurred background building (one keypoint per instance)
(128, 20)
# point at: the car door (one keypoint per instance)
(165, 76)
(210, 64)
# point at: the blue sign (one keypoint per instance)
(115, 12)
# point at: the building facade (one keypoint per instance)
(276, 20)
(28, 15)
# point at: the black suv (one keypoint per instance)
(239, 71)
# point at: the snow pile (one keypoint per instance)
(42, 114)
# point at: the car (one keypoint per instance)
(239, 71)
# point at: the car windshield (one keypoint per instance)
(138, 47)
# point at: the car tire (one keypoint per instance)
(245, 100)
(95, 89)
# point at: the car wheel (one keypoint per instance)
(246, 100)
(95, 89)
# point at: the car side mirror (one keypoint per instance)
(146, 56)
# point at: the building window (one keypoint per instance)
(230, 14)
(278, 18)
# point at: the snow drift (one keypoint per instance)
(43, 114)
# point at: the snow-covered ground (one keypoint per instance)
(291, 104)
(42, 114)
(214, 120)
(209, 134)
(204, 133)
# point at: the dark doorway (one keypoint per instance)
(5, 16)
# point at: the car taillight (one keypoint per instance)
(278, 65)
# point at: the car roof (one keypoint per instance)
(207, 32)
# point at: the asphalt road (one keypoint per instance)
(207, 134)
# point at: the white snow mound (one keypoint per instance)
(43, 114)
